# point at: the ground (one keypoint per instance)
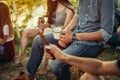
(9, 70)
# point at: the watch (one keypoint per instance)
(74, 36)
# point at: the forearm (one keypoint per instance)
(93, 66)
(85, 64)
(91, 36)
(72, 23)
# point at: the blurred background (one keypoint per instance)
(24, 14)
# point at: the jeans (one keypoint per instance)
(60, 69)
(1, 50)
(114, 40)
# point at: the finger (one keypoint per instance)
(48, 55)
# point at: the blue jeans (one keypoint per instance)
(1, 50)
(60, 69)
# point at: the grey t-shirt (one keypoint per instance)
(60, 17)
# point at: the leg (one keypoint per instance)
(87, 76)
(37, 53)
(26, 35)
(44, 65)
(61, 70)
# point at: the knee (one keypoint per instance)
(26, 33)
(37, 40)
(53, 65)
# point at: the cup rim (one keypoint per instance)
(57, 31)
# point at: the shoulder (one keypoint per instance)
(6, 26)
(70, 9)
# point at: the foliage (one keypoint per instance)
(22, 13)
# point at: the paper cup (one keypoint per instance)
(56, 32)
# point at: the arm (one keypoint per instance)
(1, 41)
(72, 23)
(93, 66)
(89, 65)
(69, 16)
(92, 36)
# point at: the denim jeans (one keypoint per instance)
(1, 50)
(60, 69)
(114, 40)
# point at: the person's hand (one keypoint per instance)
(43, 25)
(54, 50)
(62, 44)
(66, 36)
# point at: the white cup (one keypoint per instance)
(56, 32)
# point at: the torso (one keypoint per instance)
(60, 17)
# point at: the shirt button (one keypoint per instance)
(82, 23)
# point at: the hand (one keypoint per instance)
(66, 36)
(54, 50)
(43, 26)
(62, 44)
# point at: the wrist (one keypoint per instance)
(65, 58)
(74, 37)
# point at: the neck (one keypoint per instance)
(59, 4)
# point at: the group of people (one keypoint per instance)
(84, 34)
(59, 16)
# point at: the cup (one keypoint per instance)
(41, 20)
(56, 32)
(46, 19)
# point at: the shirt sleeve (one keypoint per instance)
(107, 15)
(6, 30)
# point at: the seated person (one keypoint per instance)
(7, 47)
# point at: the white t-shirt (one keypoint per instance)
(6, 32)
